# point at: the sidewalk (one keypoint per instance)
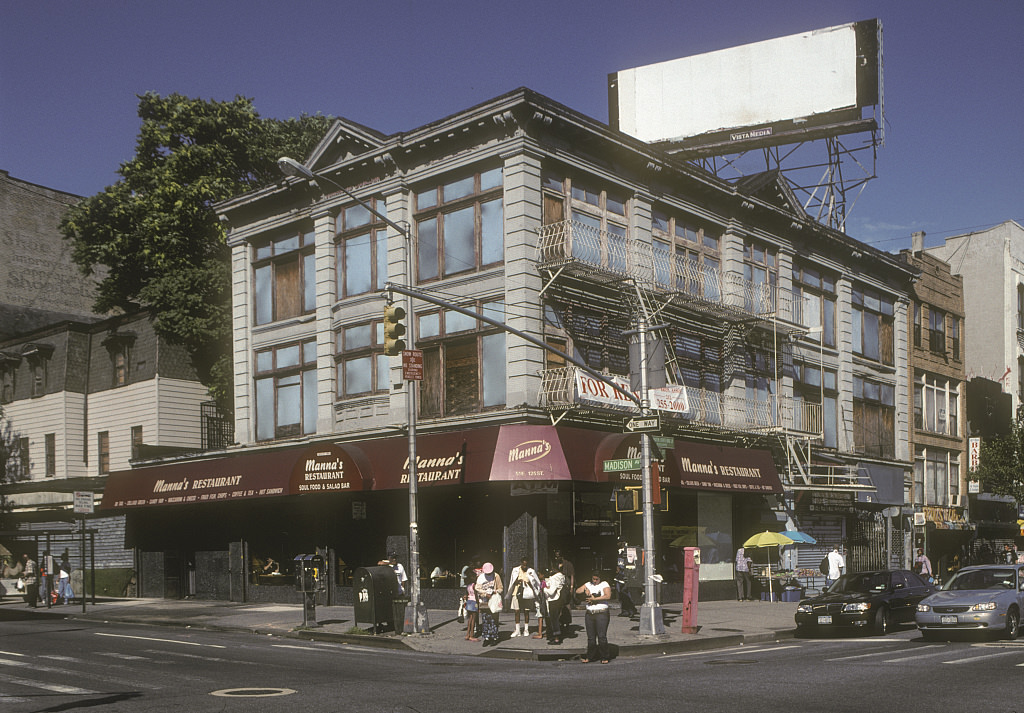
(721, 624)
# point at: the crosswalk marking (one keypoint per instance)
(971, 659)
(944, 652)
(52, 687)
(876, 653)
(166, 641)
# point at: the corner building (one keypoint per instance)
(785, 381)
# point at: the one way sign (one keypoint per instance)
(648, 424)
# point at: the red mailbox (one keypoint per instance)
(691, 579)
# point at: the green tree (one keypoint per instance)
(1001, 462)
(10, 466)
(152, 239)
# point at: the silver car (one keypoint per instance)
(980, 598)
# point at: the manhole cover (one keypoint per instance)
(252, 692)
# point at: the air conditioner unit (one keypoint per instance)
(919, 519)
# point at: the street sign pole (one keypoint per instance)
(651, 621)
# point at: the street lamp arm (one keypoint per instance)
(291, 167)
(409, 292)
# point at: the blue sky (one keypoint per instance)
(70, 72)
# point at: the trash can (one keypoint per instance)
(398, 605)
(373, 589)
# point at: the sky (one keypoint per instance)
(70, 73)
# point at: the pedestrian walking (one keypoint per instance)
(923, 565)
(523, 586)
(598, 593)
(472, 609)
(64, 592)
(555, 595)
(488, 596)
(836, 566)
(743, 580)
(30, 576)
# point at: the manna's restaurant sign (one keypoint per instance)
(512, 453)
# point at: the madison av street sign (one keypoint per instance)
(620, 464)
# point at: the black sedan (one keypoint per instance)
(874, 600)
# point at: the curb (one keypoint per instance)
(401, 643)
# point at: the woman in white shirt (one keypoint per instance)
(598, 593)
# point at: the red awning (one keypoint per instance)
(481, 455)
(692, 465)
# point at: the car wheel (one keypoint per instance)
(883, 621)
(1012, 623)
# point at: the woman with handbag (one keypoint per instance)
(488, 598)
(471, 604)
(524, 584)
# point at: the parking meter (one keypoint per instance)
(691, 580)
(310, 578)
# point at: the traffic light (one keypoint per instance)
(393, 330)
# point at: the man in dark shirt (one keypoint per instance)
(569, 571)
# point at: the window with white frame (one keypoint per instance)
(936, 477)
(362, 264)
(460, 225)
(598, 215)
(687, 255)
(362, 365)
(464, 361)
(700, 362)
(815, 385)
(286, 390)
(936, 404)
(761, 272)
(284, 276)
(872, 325)
(814, 290)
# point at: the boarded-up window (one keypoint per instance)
(461, 377)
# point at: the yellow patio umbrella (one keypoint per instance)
(768, 539)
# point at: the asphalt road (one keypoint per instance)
(92, 666)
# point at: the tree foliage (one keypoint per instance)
(10, 465)
(152, 239)
(1001, 462)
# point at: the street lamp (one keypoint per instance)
(417, 623)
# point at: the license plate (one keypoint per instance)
(947, 620)
(824, 620)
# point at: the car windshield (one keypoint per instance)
(982, 579)
(862, 582)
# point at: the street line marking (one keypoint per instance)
(334, 648)
(922, 656)
(877, 653)
(166, 641)
(11, 653)
(125, 657)
(56, 657)
(728, 651)
(969, 659)
(53, 687)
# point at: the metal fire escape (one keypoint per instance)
(596, 269)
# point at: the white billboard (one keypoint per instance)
(784, 79)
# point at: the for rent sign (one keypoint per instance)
(592, 392)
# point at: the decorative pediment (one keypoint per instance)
(344, 141)
(9, 360)
(772, 187)
(116, 341)
(35, 352)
